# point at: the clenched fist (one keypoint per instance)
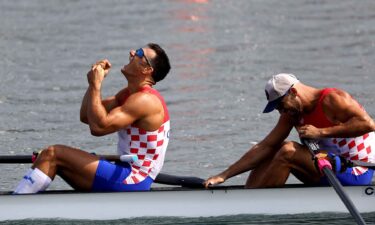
(98, 72)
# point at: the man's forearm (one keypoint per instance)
(247, 162)
(96, 112)
(351, 128)
(83, 110)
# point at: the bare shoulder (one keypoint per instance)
(145, 98)
(339, 106)
(144, 103)
(337, 99)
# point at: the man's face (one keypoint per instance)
(138, 60)
(290, 104)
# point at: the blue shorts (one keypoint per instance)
(110, 177)
(348, 179)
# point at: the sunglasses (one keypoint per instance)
(280, 106)
(140, 53)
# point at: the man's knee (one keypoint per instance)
(286, 152)
(51, 153)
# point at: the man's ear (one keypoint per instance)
(293, 91)
(148, 69)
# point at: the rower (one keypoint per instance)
(330, 116)
(138, 114)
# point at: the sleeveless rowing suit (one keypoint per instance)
(150, 148)
(358, 148)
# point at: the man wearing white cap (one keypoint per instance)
(330, 116)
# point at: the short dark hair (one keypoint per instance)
(160, 62)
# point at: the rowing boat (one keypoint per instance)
(181, 197)
(176, 201)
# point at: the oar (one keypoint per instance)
(354, 163)
(162, 178)
(16, 159)
(313, 147)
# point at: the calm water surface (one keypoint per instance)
(309, 219)
(222, 53)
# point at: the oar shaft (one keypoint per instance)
(16, 159)
(13, 159)
(360, 163)
(342, 194)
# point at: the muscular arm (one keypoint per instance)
(143, 109)
(83, 110)
(108, 103)
(349, 118)
(102, 122)
(258, 152)
(108, 116)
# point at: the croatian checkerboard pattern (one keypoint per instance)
(150, 148)
(359, 148)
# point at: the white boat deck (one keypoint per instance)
(183, 202)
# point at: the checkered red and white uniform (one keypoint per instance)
(149, 146)
(359, 148)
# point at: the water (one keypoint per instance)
(341, 219)
(222, 53)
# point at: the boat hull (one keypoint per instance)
(182, 202)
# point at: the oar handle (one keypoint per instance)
(119, 158)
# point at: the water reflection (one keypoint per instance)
(193, 58)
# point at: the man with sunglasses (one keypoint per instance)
(137, 113)
(330, 116)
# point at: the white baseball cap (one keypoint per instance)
(276, 88)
